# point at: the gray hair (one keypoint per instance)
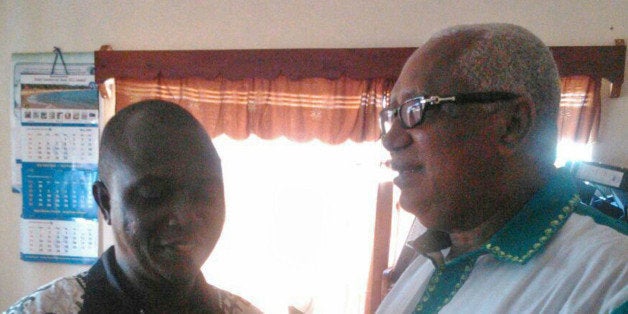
(507, 57)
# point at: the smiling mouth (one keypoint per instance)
(406, 168)
(410, 170)
(406, 175)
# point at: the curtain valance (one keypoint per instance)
(301, 110)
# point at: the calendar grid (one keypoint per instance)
(69, 239)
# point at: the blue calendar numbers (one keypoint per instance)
(58, 191)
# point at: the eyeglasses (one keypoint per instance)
(411, 111)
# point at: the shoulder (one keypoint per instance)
(63, 295)
(593, 248)
(596, 240)
(596, 233)
(233, 304)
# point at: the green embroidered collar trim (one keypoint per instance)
(518, 241)
(444, 284)
(529, 231)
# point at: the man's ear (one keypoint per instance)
(101, 195)
(518, 120)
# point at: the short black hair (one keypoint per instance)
(147, 115)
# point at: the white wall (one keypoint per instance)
(37, 26)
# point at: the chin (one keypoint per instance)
(180, 273)
(177, 268)
(413, 205)
(428, 215)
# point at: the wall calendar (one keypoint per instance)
(55, 130)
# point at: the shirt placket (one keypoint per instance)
(446, 280)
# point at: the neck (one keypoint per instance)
(469, 240)
(167, 297)
(159, 293)
(520, 189)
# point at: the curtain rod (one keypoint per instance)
(598, 62)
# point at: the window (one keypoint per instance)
(299, 227)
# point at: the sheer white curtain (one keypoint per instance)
(299, 227)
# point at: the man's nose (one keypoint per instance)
(396, 138)
(181, 214)
(177, 218)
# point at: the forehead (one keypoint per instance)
(178, 154)
(183, 173)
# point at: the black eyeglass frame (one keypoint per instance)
(423, 102)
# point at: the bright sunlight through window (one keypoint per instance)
(570, 151)
(299, 227)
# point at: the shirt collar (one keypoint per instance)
(527, 233)
(530, 230)
(203, 292)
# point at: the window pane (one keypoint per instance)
(299, 225)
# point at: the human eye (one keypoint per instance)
(411, 111)
(412, 102)
(151, 193)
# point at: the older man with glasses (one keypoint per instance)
(471, 129)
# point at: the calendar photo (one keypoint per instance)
(50, 95)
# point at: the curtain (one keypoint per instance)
(332, 111)
(580, 109)
(317, 108)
